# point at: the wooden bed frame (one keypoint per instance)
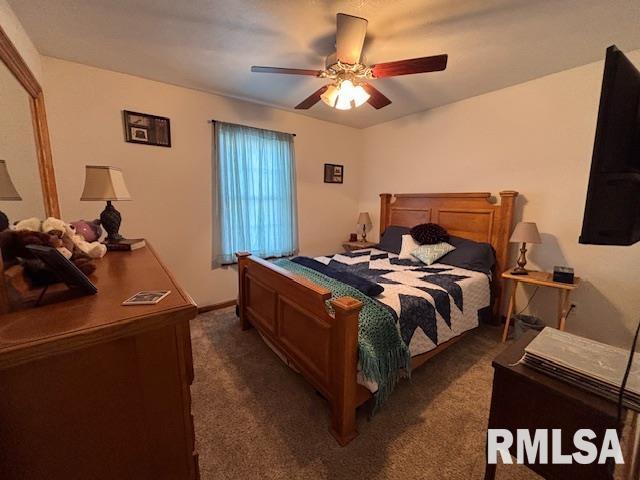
(290, 310)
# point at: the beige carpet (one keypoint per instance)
(255, 418)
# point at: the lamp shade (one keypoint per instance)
(7, 189)
(525, 232)
(364, 218)
(104, 183)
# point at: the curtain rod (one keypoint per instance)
(257, 128)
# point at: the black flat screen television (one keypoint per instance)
(612, 211)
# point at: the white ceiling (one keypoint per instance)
(211, 44)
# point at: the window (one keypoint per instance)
(254, 193)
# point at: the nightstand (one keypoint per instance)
(545, 280)
(351, 246)
(523, 398)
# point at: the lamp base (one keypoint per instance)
(111, 219)
(519, 271)
(522, 261)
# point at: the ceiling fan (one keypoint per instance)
(349, 87)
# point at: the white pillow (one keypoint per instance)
(409, 245)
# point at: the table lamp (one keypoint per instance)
(525, 232)
(364, 220)
(7, 192)
(106, 184)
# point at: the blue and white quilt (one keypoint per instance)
(431, 304)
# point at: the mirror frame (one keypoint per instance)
(10, 56)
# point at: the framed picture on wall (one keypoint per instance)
(147, 129)
(333, 173)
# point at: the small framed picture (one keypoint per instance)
(150, 297)
(147, 129)
(140, 134)
(333, 173)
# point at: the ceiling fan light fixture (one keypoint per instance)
(343, 101)
(349, 72)
(342, 104)
(360, 95)
(330, 96)
(345, 96)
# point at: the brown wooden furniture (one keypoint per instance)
(540, 279)
(525, 398)
(290, 310)
(95, 390)
(351, 246)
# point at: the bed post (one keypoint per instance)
(243, 262)
(344, 365)
(507, 207)
(385, 200)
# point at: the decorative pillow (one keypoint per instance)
(429, 233)
(391, 240)
(428, 254)
(408, 247)
(470, 255)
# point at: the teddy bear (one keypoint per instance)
(51, 232)
(75, 244)
(92, 249)
(91, 231)
(71, 240)
(55, 228)
(32, 224)
(13, 246)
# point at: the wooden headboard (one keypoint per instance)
(467, 215)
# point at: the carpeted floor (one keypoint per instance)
(255, 418)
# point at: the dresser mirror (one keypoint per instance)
(27, 183)
(18, 150)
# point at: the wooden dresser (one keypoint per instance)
(90, 389)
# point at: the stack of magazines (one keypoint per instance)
(591, 365)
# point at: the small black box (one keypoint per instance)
(563, 274)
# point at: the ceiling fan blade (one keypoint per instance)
(288, 71)
(312, 99)
(377, 99)
(407, 67)
(350, 38)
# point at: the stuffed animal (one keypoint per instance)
(57, 228)
(13, 245)
(92, 249)
(91, 231)
(75, 244)
(71, 240)
(51, 232)
(32, 224)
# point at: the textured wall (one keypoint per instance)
(14, 30)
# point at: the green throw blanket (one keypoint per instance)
(383, 356)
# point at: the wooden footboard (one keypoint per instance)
(290, 311)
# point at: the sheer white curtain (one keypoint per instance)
(254, 193)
